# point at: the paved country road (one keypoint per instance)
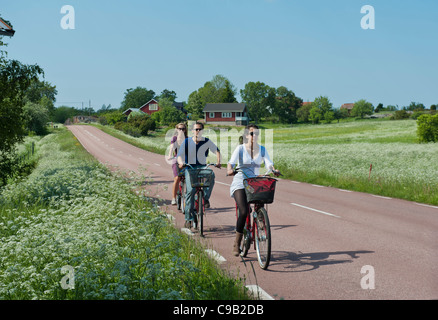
(327, 243)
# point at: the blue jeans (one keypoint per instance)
(190, 193)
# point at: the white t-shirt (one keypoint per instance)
(249, 166)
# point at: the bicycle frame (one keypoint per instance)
(198, 196)
(249, 224)
(257, 229)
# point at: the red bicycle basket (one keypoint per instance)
(260, 189)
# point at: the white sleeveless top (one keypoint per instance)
(250, 167)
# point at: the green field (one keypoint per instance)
(340, 155)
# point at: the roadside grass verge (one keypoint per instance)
(71, 211)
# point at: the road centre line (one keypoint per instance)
(226, 184)
(316, 210)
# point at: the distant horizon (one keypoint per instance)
(314, 48)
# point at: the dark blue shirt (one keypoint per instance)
(196, 153)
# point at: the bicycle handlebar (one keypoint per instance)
(206, 166)
(270, 171)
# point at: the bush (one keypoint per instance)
(416, 114)
(113, 117)
(137, 125)
(400, 115)
(427, 128)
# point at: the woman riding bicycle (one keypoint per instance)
(249, 156)
(178, 138)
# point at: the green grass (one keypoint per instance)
(71, 211)
(340, 155)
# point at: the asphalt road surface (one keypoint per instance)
(327, 243)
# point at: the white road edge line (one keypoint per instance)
(343, 190)
(316, 210)
(382, 197)
(187, 231)
(318, 186)
(259, 292)
(215, 255)
(426, 205)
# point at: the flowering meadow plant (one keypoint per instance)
(382, 157)
(72, 212)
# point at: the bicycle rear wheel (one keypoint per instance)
(178, 198)
(183, 196)
(263, 238)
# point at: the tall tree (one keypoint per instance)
(195, 105)
(15, 79)
(217, 90)
(323, 104)
(168, 94)
(135, 98)
(286, 105)
(258, 97)
(362, 108)
(303, 112)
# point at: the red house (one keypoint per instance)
(226, 113)
(150, 107)
(348, 106)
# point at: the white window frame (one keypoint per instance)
(227, 114)
(153, 107)
(211, 114)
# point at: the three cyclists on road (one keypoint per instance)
(248, 156)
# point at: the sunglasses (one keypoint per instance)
(197, 129)
(180, 129)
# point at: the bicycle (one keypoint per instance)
(260, 192)
(199, 178)
(181, 191)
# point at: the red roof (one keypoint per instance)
(347, 106)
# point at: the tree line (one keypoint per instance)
(265, 103)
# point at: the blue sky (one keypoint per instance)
(313, 47)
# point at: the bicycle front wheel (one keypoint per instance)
(200, 213)
(263, 238)
(246, 243)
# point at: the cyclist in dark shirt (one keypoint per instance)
(194, 151)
